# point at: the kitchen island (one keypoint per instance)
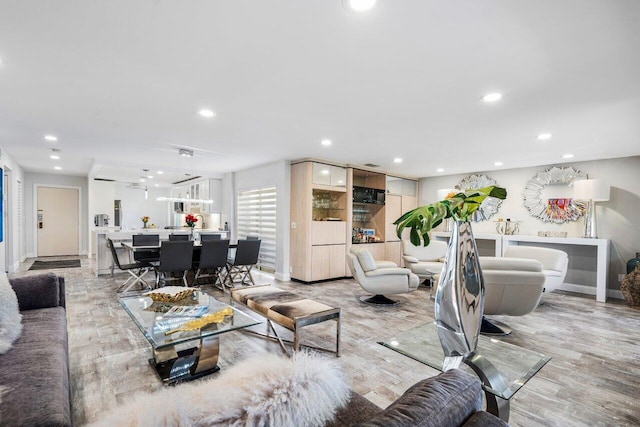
(102, 254)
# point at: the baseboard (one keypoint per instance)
(282, 277)
(589, 290)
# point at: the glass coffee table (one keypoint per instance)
(184, 355)
(503, 368)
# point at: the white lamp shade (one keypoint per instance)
(444, 192)
(591, 189)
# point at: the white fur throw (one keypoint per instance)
(10, 317)
(268, 390)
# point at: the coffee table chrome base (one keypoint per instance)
(174, 366)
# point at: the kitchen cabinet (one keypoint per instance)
(328, 261)
(329, 175)
(206, 189)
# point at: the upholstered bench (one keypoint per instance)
(288, 310)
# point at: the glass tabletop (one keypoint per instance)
(155, 318)
(513, 365)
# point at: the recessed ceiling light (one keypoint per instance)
(492, 97)
(206, 113)
(142, 180)
(567, 156)
(497, 164)
(544, 136)
(58, 168)
(324, 171)
(360, 5)
(54, 157)
(156, 185)
(150, 176)
(159, 172)
(397, 160)
(439, 170)
(326, 142)
(51, 137)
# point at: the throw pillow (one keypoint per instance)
(10, 317)
(366, 260)
(268, 390)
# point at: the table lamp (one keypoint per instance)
(591, 190)
(442, 194)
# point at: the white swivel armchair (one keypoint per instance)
(554, 263)
(380, 277)
(424, 261)
(513, 287)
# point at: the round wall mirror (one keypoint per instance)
(490, 205)
(549, 195)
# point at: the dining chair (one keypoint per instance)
(209, 237)
(150, 255)
(253, 237)
(240, 265)
(213, 256)
(137, 270)
(178, 237)
(175, 257)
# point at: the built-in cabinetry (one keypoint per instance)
(335, 208)
(318, 221)
(204, 189)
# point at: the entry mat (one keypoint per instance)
(46, 265)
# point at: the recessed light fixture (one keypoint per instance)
(52, 138)
(150, 176)
(326, 142)
(54, 157)
(497, 164)
(439, 170)
(207, 113)
(159, 172)
(397, 160)
(58, 168)
(142, 180)
(185, 153)
(156, 185)
(359, 5)
(544, 136)
(492, 97)
(567, 156)
(324, 171)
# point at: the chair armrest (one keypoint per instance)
(390, 271)
(40, 291)
(442, 259)
(410, 259)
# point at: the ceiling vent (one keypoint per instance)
(104, 179)
(134, 185)
(191, 178)
(371, 165)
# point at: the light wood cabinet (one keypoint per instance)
(393, 252)
(318, 221)
(375, 249)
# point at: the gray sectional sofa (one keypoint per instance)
(34, 374)
(451, 399)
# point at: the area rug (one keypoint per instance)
(46, 265)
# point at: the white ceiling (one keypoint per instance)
(119, 82)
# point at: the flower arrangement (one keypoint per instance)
(191, 220)
(144, 219)
(459, 206)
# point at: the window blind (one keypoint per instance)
(256, 216)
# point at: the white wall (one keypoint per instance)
(16, 225)
(270, 175)
(618, 219)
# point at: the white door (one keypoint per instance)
(57, 221)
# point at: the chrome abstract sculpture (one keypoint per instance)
(459, 298)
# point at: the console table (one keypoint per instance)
(502, 368)
(501, 242)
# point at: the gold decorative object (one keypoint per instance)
(217, 317)
(170, 293)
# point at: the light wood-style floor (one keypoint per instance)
(592, 380)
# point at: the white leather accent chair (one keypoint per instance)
(380, 277)
(513, 287)
(424, 261)
(554, 263)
